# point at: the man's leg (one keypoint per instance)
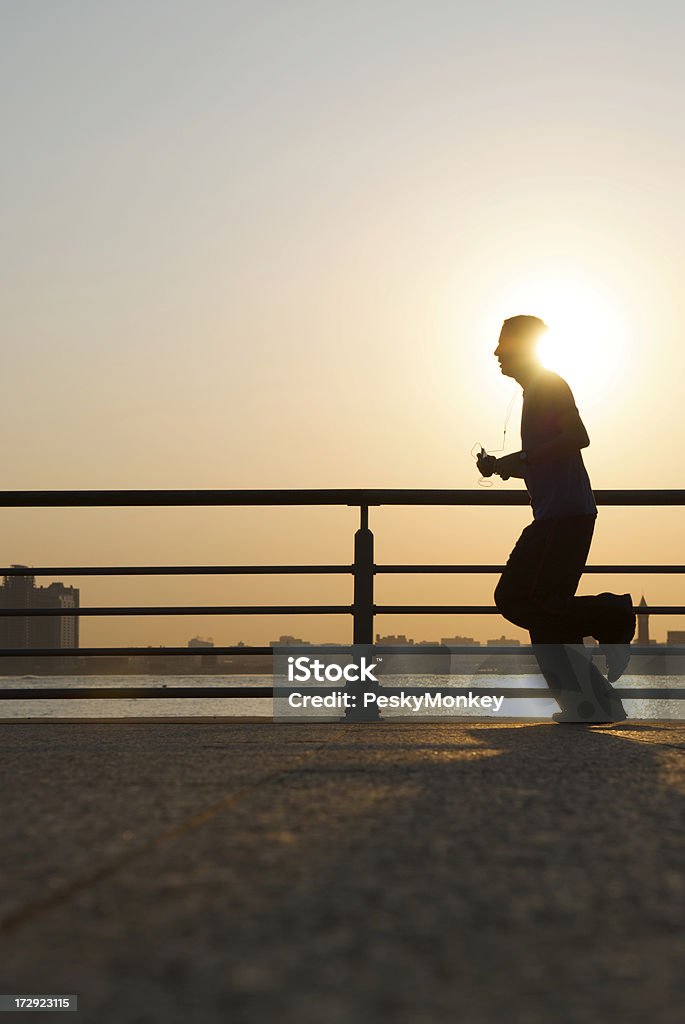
(536, 591)
(540, 579)
(557, 670)
(581, 691)
(538, 587)
(614, 624)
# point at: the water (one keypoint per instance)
(132, 707)
(544, 707)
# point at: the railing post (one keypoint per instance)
(363, 581)
(362, 614)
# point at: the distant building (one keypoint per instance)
(37, 631)
(394, 641)
(503, 642)
(459, 641)
(643, 624)
(289, 641)
(206, 660)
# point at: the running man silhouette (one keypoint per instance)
(537, 588)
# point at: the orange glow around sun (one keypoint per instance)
(587, 339)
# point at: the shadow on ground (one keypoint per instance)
(346, 873)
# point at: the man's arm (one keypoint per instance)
(567, 435)
(547, 451)
(510, 465)
(570, 441)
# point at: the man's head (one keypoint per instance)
(516, 348)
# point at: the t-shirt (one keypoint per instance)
(558, 487)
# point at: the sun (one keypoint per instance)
(585, 342)
(587, 339)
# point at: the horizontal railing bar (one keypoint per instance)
(500, 568)
(354, 496)
(130, 652)
(636, 693)
(217, 570)
(486, 649)
(203, 692)
(119, 692)
(304, 609)
(479, 609)
(276, 609)
(420, 650)
(175, 570)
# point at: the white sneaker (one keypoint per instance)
(617, 658)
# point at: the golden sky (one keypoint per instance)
(271, 245)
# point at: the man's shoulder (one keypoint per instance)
(548, 384)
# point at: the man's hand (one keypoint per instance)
(486, 463)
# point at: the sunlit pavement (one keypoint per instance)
(402, 872)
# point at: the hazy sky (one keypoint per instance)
(270, 245)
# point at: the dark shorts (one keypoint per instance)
(541, 576)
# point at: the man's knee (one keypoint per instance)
(505, 599)
(513, 606)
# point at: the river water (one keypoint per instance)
(188, 707)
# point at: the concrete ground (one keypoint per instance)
(237, 872)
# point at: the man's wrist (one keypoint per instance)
(500, 467)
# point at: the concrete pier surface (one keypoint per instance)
(413, 872)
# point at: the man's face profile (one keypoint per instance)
(515, 349)
(512, 352)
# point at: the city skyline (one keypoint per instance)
(22, 591)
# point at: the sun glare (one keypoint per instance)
(587, 339)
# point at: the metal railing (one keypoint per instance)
(363, 570)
